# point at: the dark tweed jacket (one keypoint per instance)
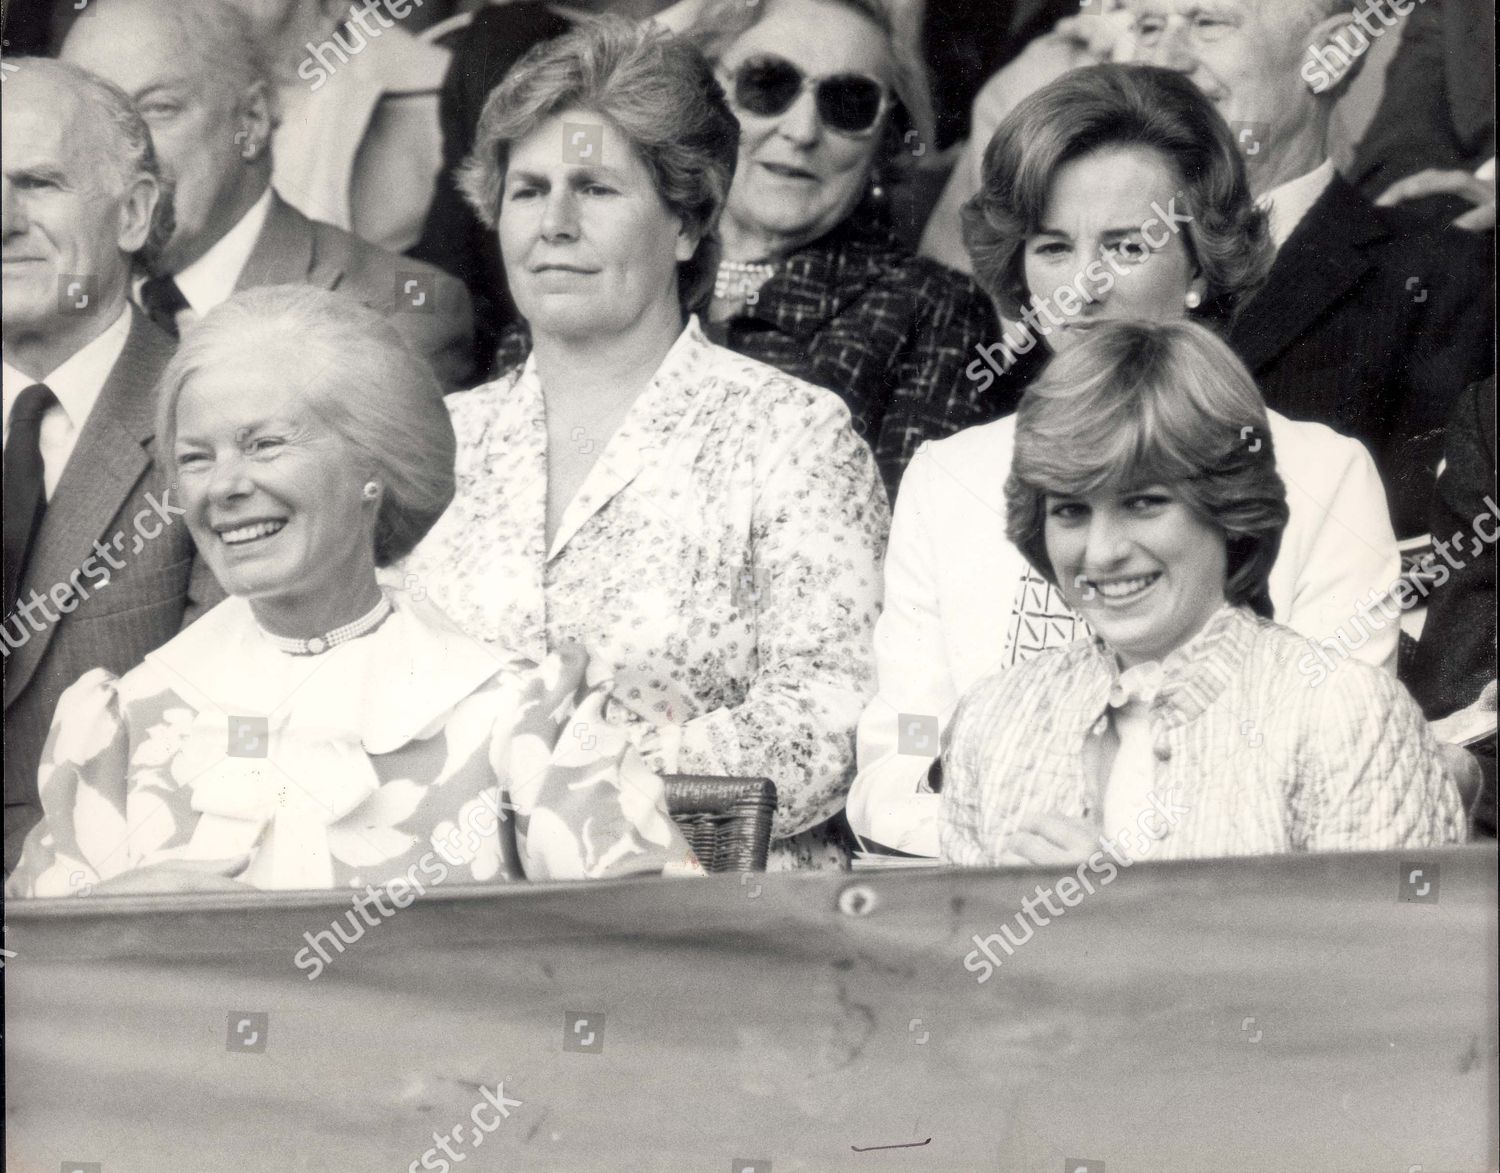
(888, 331)
(1456, 656)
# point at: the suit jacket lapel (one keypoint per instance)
(106, 464)
(287, 254)
(1321, 260)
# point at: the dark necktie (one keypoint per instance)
(163, 301)
(25, 490)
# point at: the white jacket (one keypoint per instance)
(951, 578)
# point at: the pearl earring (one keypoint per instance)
(371, 491)
(1193, 299)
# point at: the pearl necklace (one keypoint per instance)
(740, 280)
(319, 644)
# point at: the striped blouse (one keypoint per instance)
(1255, 754)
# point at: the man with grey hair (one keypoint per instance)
(202, 83)
(96, 572)
(1371, 321)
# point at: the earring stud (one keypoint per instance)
(371, 490)
(1193, 299)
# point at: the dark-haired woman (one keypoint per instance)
(1116, 192)
(1189, 724)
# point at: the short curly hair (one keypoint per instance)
(657, 90)
(375, 393)
(1138, 403)
(1103, 106)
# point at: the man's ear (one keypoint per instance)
(256, 119)
(1336, 48)
(137, 211)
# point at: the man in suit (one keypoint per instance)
(97, 570)
(203, 84)
(1432, 139)
(1371, 321)
(1455, 660)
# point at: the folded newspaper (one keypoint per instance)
(1472, 725)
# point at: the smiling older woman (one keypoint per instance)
(1144, 487)
(708, 527)
(313, 730)
(832, 109)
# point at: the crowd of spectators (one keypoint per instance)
(987, 426)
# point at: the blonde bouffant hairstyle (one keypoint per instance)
(375, 393)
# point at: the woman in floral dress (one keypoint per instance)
(709, 528)
(315, 730)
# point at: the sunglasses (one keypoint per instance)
(849, 103)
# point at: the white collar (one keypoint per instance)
(80, 378)
(1291, 201)
(404, 677)
(211, 279)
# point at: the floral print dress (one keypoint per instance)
(411, 754)
(721, 561)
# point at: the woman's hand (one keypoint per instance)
(1049, 841)
(182, 875)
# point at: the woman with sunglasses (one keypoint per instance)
(707, 527)
(814, 279)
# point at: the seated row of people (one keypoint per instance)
(1368, 321)
(314, 730)
(317, 730)
(710, 528)
(1084, 180)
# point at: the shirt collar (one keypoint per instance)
(80, 378)
(679, 386)
(408, 673)
(1192, 677)
(211, 279)
(1290, 202)
(684, 359)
